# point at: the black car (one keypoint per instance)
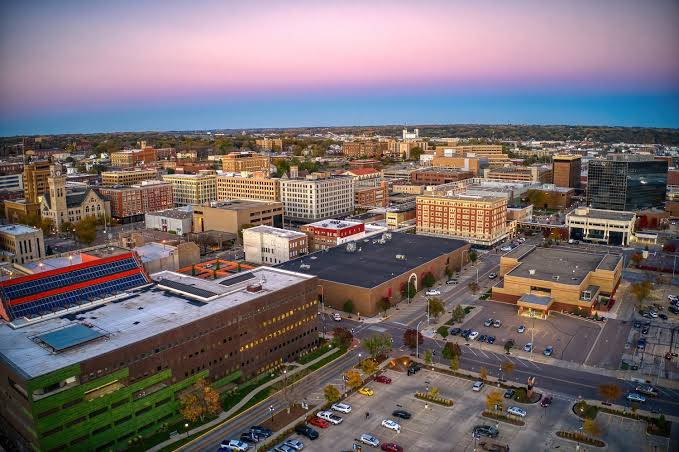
(455, 331)
(403, 414)
(485, 430)
(465, 333)
(491, 339)
(414, 368)
(482, 338)
(673, 309)
(249, 437)
(663, 316)
(307, 431)
(645, 330)
(260, 431)
(641, 344)
(637, 324)
(509, 393)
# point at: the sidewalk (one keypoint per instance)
(225, 415)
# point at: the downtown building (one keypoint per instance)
(566, 170)
(248, 186)
(128, 177)
(317, 196)
(129, 204)
(236, 162)
(266, 245)
(189, 189)
(94, 352)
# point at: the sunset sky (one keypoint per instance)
(89, 66)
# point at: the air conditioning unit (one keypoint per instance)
(531, 271)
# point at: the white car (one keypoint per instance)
(634, 397)
(506, 248)
(473, 335)
(235, 445)
(492, 275)
(528, 347)
(431, 292)
(673, 297)
(477, 386)
(294, 443)
(336, 317)
(369, 440)
(391, 425)
(516, 411)
(653, 314)
(341, 407)
(330, 417)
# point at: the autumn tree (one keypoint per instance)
(428, 357)
(451, 350)
(369, 366)
(483, 373)
(636, 258)
(436, 307)
(377, 344)
(383, 305)
(201, 401)
(473, 256)
(494, 400)
(354, 379)
(412, 337)
(474, 287)
(610, 392)
(428, 279)
(86, 230)
(507, 367)
(641, 291)
(591, 427)
(348, 306)
(454, 362)
(342, 337)
(332, 394)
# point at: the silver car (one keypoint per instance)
(369, 440)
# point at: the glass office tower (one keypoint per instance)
(626, 182)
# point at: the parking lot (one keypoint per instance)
(571, 338)
(662, 338)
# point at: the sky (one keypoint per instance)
(100, 66)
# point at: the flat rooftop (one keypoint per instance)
(333, 224)
(177, 214)
(132, 318)
(17, 229)
(285, 233)
(603, 214)
(237, 204)
(153, 251)
(66, 260)
(570, 267)
(373, 263)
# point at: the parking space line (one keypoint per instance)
(472, 350)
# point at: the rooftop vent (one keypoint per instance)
(531, 271)
(401, 257)
(351, 247)
(252, 288)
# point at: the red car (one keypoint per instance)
(318, 422)
(391, 447)
(546, 401)
(383, 379)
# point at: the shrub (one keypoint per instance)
(581, 438)
(433, 398)
(443, 331)
(583, 410)
(502, 417)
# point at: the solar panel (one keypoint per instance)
(186, 288)
(237, 279)
(69, 337)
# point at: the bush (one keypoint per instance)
(502, 417)
(433, 398)
(581, 438)
(583, 410)
(443, 331)
(348, 306)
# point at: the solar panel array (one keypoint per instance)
(186, 288)
(237, 279)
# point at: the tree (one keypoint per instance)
(342, 337)
(454, 363)
(428, 280)
(384, 304)
(86, 230)
(451, 350)
(537, 197)
(494, 400)
(354, 379)
(428, 357)
(591, 427)
(507, 367)
(202, 401)
(610, 392)
(412, 337)
(473, 256)
(377, 344)
(449, 272)
(411, 289)
(443, 331)
(436, 307)
(474, 287)
(348, 306)
(483, 373)
(458, 314)
(332, 394)
(369, 366)
(508, 346)
(641, 290)
(415, 153)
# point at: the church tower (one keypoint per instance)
(57, 187)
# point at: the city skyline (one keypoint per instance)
(133, 66)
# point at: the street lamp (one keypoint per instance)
(359, 359)
(417, 339)
(532, 333)
(271, 410)
(186, 426)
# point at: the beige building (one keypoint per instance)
(128, 177)
(63, 206)
(35, 180)
(540, 280)
(472, 164)
(189, 189)
(236, 162)
(317, 197)
(397, 218)
(21, 243)
(611, 227)
(535, 173)
(267, 245)
(481, 220)
(231, 216)
(270, 144)
(246, 186)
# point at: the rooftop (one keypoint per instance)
(179, 213)
(136, 317)
(362, 171)
(65, 260)
(285, 233)
(567, 157)
(559, 265)
(153, 251)
(333, 224)
(17, 229)
(602, 214)
(238, 204)
(373, 263)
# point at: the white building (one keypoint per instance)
(20, 243)
(414, 135)
(318, 196)
(11, 181)
(611, 227)
(178, 221)
(268, 245)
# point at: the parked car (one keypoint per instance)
(673, 309)
(646, 389)
(294, 443)
(473, 335)
(336, 317)
(455, 331)
(235, 444)
(491, 339)
(414, 368)
(341, 407)
(482, 338)
(637, 324)
(261, 432)
(391, 447)
(403, 414)
(465, 333)
(369, 440)
(282, 447)
(636, 397)
(492, 275)
(497, 324)
(330, 417)
(249, 437)
(451, 281)
(549, 350)
(521, 329)
(546, 401)
(528, 347)
(366, 392)
(391, 425)
(318, 422)
(432, 292)
(506, 248)
(488, 322)
(663, 316)
(305, 430)
(477, 386)
(653, 314)
(516, 411)
(641, 344)
(673, 297)
(485, 430)
(383, 379)
(509, 393)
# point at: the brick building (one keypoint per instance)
(328, 233)
(438, 176)
(129, 204)
(128, 177)
(566, 170)
(246, 186)
(367, 149)
(236, 162)
(534, 173)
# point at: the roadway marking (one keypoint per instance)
(472, 350)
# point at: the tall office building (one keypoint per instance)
(317, 197)
(566, 170)
(626, 182)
